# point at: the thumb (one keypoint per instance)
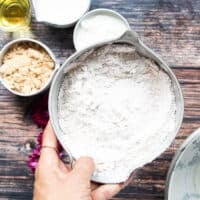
(84, 168)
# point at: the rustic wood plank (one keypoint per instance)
(149, 181)
(172, 29)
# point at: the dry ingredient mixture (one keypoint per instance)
(117, 107)
(26, 68)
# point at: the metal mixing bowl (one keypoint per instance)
(130, 38)
(42, 45)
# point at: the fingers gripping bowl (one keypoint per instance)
(117, 130)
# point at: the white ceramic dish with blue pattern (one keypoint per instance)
(183, 181)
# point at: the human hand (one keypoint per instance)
(55, 181)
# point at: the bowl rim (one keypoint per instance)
(93, 12)
(5, 49)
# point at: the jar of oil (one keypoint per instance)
(14, 15)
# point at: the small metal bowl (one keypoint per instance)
(98, 11)
(24, 40)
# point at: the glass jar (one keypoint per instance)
(15, 15)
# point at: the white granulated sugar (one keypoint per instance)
(117, 107)
(98, 28)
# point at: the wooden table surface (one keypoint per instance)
(172, 29)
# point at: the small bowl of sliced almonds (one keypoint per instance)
(27, 67)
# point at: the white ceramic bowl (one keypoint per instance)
(183, 181)
(24, 40)
(103, 11)
(35, 4)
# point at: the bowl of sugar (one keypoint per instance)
(27, 67)
(98, 26)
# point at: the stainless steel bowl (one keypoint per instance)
(24, 40)
(129, 37)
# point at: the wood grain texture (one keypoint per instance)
(172, 29)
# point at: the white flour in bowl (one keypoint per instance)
(117, 107)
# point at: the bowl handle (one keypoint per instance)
(130, 36)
